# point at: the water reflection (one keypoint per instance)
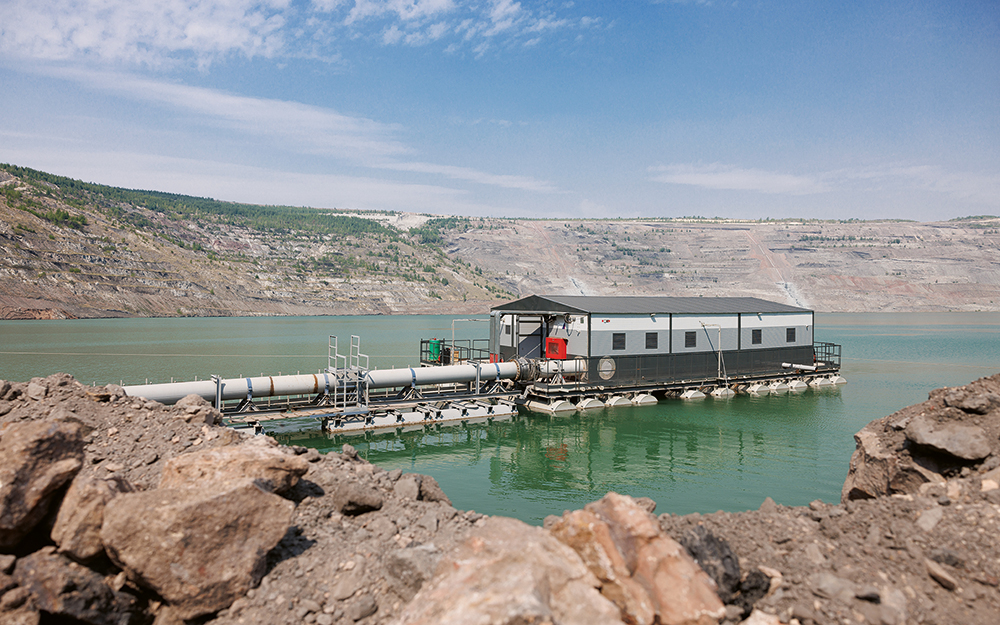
(683, 455)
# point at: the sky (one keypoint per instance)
(636, 108)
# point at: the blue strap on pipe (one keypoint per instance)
(498, 370)
(249, 390)
(413, 378)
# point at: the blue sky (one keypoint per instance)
(494, 107)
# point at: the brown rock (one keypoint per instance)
(876, 471)
(940, 575)
(510, 572)
(219, 466)
(969, 401)
(408, 486)
(62, 587)
(195, 409)
(77, 530)
(681, 593)
(17, 607)
(353, 497)
(36, 459)
(199, 550)
(649, 576)
(431, 491)
(591, 538)
(409, 568)
(967, 442)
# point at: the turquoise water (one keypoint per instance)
(688, 456)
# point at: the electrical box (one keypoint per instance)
(555, 348)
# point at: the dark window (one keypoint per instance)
(506, 329)
(755, 337)
(789, 335)
(618, 340)
(690, 339)
(652, 340)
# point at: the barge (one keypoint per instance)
(552, 354)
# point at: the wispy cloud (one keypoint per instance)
(968, 186)
(295, 127)
(523, 183)
(204, 31)
(720, 176)
(259, 185)
(982, 188)
(300, 127)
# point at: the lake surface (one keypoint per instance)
(688, 456)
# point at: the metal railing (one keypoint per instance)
(828, 354)
(445, 352)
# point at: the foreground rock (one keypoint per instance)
(170, 517)
(198, 549)
(955, 430)
(648, 575)
(38, 458)
(259, 459)
(64, 588)
(509, 572)
(77, 529)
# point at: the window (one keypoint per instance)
(652, 340)
(789, 335)
(618, 340)
(690, 339)
(755, 337)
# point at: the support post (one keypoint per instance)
(218, 391)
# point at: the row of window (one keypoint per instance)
(690, 339)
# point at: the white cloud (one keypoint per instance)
(969, 186)
(295, 127)
(142, 32)
(729, 177)
(405, 10)
(896, 177)
(308, 129)
(241, 183)
(203, 31)
(523, 183)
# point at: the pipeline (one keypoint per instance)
(522, 370)
(788, 365)
(235, 388)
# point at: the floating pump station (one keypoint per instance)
(553, 354)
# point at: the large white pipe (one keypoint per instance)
(235, 388)
(448, 374)
(315, 383)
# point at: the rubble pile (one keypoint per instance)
(118, 510)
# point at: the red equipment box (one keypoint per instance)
(555, 348)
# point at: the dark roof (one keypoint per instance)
(609, 305)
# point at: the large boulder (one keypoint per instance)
(199, 549)
(646, 573)
(591, 538)
(955, 428)
(36, 459)
(217, 467)
(77, 529)
(967, 442)
(510, 572)
(877, 469)
(64, 588)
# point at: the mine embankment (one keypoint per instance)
(120, 510)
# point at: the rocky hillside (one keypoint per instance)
(118, 510)
(72, 249)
